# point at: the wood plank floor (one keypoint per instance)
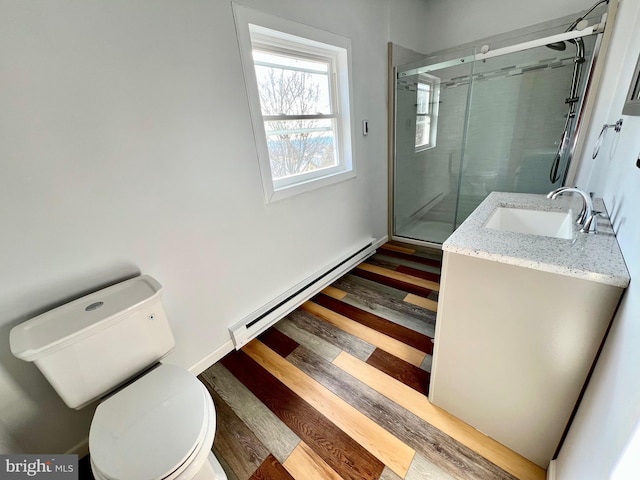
(337, 389)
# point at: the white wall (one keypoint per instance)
(127, 147)
(609, 413)
(406, 22)
(455, 22)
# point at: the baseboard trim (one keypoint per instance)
(201, 365)
(381, 242)
(551, 470)
(81, 448)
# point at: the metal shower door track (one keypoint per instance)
(592, 30)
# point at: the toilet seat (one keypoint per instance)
(159, 427)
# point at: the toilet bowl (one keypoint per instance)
(158, 426)
(166, 416)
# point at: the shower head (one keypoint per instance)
(578, 24)
(559, 46)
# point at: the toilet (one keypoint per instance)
(155, 421)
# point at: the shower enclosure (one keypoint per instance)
(485, 120)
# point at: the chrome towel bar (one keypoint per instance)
(616, 126)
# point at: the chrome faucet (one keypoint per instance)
(587, 205)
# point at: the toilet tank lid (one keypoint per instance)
(81, 318)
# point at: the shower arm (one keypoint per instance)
(579, 19)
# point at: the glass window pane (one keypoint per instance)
(423, 130)
(298, 146)
(423, 99)
(292, 86)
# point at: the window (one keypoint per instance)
(427, 100)
(632, 103)
(297, 81)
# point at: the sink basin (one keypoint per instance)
(534, 222)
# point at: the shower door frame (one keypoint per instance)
(583, 116)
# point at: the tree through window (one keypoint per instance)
(298, 114)
(298, 87)
(427, 99)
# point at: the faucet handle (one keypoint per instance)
(591, 223)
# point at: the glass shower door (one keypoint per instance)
(517, 114)
(430, 126)
(467, 127)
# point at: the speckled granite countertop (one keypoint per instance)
(595, 257)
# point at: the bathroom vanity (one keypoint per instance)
(523, 308)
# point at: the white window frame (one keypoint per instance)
(274, 34)
(432, 111)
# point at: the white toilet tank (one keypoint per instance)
(90, 346)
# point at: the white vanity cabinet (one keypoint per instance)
(520, 320)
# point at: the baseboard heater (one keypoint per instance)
(253, 325)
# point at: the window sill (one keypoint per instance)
(424, 147)
(309, 185)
